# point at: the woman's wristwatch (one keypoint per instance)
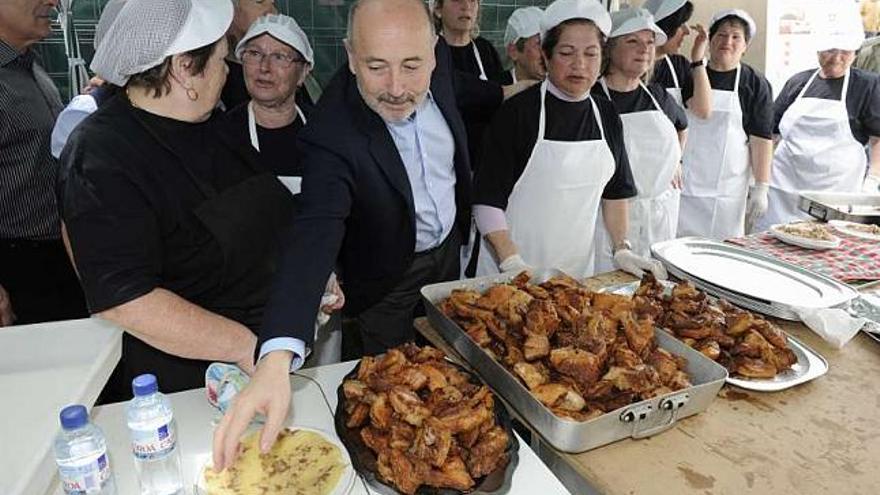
(698, 63)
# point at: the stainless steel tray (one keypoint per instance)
(750, 279)
(810, 364)
(852, 207)
(638, 420)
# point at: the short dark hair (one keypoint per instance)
(552, 38)
(731, 19)
(675, 20)
(520, 44)
(158, 78)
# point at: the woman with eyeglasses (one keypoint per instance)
(174, 228)
(276, 56)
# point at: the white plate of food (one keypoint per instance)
(303, 460)
(810, 235)
(867, 231)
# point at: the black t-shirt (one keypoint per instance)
(862, 99)
(513, 133)
(128, 204)
(463, 59)
(681, 64)
(755, 98)
(277, 146)
(639, 101)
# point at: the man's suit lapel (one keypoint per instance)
(382, 147)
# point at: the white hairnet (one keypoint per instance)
(284, 29)
(842, 30)
(740, 13)
(523, 23)
(108, 15)
(631, 20)
(146, 32)
(563, 10)
(661, 9)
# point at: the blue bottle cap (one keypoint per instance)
(73, 417)
(145, 384)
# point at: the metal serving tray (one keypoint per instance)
(637, 420)
(749, 279)
(852, 207)
(810, 364)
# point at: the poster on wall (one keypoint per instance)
(791, 29)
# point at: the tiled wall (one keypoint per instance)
(323, 20)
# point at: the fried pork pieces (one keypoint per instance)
(424, 419)
(744, 343)
(580, 353)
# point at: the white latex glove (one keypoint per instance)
(757, 203)
(871, 185)
(630, 262)
(514, 263)
(332, 300)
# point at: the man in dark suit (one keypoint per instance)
(386, 195)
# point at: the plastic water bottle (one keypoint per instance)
(154, 439)
(81, 455)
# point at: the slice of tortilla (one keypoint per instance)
(301, 462)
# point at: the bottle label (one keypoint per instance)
(84, 477)
(154, 443)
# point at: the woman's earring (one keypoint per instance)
(192, 94)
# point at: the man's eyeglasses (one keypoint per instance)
(249, 56)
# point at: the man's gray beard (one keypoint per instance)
(374, 104)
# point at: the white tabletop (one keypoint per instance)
(43, 368)
(196, 418)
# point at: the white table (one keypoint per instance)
(43, 368)
(196, 419)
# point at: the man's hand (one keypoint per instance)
(701, 42)
(268, 393)
(757, 204)
(7, 317)
(632, 263)
(512, 89)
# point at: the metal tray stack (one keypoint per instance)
(852, 207)
(638, 420)
(749, 279)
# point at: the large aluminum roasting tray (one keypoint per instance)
(746, 278)
(637, 420)
(852, 207)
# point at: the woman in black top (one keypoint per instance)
(552, 156)
(674, 71)
(173, 229)
(458, 22)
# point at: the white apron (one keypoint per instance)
(479, 61)
(554, 206)
(291, 182)
(716, 170)
(816, 152)
(654, 153)
(675, 92)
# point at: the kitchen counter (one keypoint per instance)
(816, 438)
(43, 368)
(314, 400)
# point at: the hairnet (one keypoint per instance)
(284, 29)
(146, 32)
(564, 10)
(108, 15)
(631, 20)
(523, 23)
(661, 9)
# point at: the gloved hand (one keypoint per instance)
(871, 185)
(514, 263)
(332, 300)
(757, 203)
(630, 262)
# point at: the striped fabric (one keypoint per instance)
(29, 104)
